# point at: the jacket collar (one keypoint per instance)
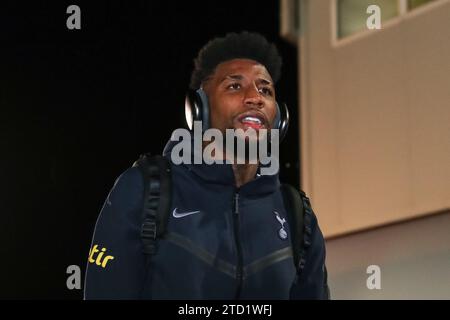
(223, 174)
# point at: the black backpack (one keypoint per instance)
(157, 176)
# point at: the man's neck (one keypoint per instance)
(244, 173)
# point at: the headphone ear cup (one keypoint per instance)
(192, 108)
(204, 109)
(282, 120)
(196, 108)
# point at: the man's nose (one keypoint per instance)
(253, 97)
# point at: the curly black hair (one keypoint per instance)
(245, 45)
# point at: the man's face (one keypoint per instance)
(241, 95)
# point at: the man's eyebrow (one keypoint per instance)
(233, 77)
(240, 77)
(264, 81)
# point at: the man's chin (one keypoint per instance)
(251, 134)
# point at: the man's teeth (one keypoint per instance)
(252, 119)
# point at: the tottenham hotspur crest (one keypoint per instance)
(282, 233)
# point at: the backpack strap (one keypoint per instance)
(299, 210)
(157, 177)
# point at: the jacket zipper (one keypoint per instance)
(239, 269)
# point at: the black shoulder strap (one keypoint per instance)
(157, 177)
(299, 210)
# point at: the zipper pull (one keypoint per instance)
(236, 203)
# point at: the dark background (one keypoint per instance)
(77, 107)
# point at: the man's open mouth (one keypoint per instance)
(253, 120)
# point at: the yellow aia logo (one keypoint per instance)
(100, 261)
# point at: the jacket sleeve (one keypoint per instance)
(312, 282)
(116, 264)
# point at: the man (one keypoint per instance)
(227, 235)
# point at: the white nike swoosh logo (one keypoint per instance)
(182, 214)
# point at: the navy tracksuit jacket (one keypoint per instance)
(222, 242)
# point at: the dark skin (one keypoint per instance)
(237, 88)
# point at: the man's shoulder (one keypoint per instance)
(127, 188)
(128, 178)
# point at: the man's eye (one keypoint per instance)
(234, 86)
(266, 91)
